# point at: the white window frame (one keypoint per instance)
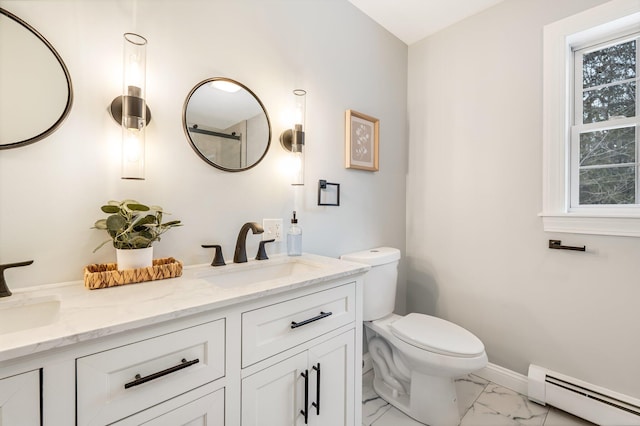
(560, 38)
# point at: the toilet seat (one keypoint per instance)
(436, 335)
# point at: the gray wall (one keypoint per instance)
(51, 191)
(477, 251)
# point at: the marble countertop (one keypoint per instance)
(87, 314)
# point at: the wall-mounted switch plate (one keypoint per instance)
(272, 229)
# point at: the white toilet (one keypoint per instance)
(415, 357)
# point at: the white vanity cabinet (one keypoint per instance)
(195, 351)
(20, 399)
(315, 386)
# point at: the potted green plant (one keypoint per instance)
(133, 227)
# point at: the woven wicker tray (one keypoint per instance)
(107, 274)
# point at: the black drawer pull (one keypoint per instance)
(140, 380)
(310, 320)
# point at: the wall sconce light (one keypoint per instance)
(130, 110)
(293, 139)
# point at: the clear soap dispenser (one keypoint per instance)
(294, 238)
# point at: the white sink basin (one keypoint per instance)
(254, 272)
(21, 312)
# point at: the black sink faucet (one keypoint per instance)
(4, 290)
(240, 255)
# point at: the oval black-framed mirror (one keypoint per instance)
(35, 84)
(226, 124)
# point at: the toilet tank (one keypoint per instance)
(379, 291)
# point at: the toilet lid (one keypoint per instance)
(436, 335)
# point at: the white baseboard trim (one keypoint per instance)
(504, 377)
(494, 373)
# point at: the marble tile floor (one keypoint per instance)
(481, 403)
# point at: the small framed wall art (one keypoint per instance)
(361, 141)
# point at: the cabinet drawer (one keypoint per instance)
(119, 382)
(276, 328)
(207, 410)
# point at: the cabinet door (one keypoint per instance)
(275, 395)
(332, 382)
(20, 399)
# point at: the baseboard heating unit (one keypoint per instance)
(596, 404)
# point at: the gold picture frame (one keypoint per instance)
(361, 141)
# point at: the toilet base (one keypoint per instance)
(432, 399)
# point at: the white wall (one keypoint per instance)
(51, 191)
(477, 253)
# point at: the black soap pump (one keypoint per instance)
(294, 238)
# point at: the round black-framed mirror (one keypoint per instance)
(35, 83)
(226, 124)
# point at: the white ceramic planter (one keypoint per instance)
(134, 258)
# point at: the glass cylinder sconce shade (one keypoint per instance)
(134, 109)
(294, 139)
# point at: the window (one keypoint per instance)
(604, 154)
(591, 172)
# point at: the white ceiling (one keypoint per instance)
(413, 20)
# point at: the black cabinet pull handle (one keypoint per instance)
(310, 320)
(317, 403)
(305, 412)
(140, 380)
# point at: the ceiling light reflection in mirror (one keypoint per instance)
(226, 124)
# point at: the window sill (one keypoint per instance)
(618, 225)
